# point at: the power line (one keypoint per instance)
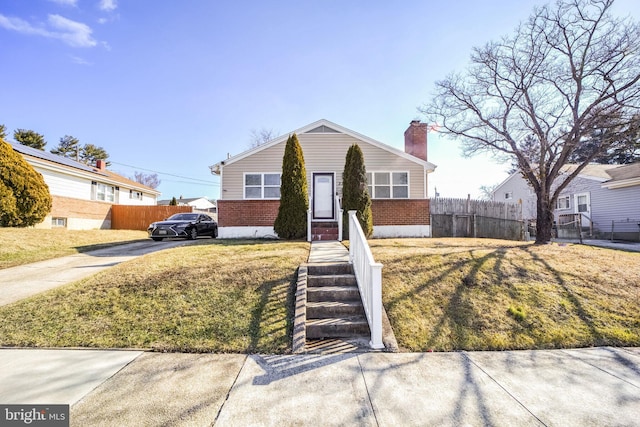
(169, 174)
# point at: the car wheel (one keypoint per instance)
(157, 239)
(215, 233)
(193, 234)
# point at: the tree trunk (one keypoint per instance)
(544, 221)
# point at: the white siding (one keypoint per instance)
(519, 189)
(322, 153)
(66, 185)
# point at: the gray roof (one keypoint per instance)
(625, 172)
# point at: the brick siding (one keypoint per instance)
(66, 207)
(400, 212)
(263, 213)
(240, 213)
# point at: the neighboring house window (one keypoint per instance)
(103, 192)
(563, 202)
(262, 186)
(137, 195)
(508, 195)
(388, 185)
(58, 222)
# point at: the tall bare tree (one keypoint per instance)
(262, 136)
(150, 180)
(568, 70)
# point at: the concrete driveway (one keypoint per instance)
(24, 281)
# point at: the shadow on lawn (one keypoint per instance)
(460, 319)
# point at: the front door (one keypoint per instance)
(323, 200)
(583, 206)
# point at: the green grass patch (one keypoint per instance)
(26, 245)
(214, 296)
(484, 294)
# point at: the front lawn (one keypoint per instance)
(214, 296)
(26, 245)
(440, 294)
(484, 294)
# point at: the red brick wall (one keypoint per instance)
(66, 207)
(240, 213)
(400, 211)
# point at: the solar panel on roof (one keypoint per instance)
(34, 152)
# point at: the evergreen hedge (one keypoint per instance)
(291, 222)
(24, 196)
(355, 195)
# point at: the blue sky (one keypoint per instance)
(171, 87)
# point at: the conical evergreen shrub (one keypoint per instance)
(355, 195)
(291, 222)
(24, 196)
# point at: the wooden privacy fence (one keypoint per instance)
(476, 218)
(126, 217)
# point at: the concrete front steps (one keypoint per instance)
(334, 308)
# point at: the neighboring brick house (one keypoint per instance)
(397, 182)
(83, 195)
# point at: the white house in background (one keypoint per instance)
(199, 203)
(607, 198)
(82, 194)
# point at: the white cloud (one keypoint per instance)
(65, 2)
(73, 33)
(79, 61)
(108, 5)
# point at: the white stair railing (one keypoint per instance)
(339, 212)
(309, 221)
(369, 277)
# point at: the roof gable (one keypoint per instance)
(323, 126)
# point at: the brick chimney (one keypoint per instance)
(101, 165)
(415, 139)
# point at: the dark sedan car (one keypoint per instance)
(189, 225)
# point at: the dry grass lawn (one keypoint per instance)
(483, 294)
(213, 296)
(26, 245)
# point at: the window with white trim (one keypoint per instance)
(563, 202)
(388, 185)
(104, 192)
(508, 195)
(136, 195)
(582, 202)
(261, 185)
(58, 222)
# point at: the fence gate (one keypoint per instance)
(476, 218)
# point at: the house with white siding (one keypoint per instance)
(397, 182)
(604, 198)
(82, 194)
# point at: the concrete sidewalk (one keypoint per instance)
(585, 387)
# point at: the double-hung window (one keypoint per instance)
(563, 202)
(388, 185)
(103, 192)
(262, 186)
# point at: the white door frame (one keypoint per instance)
(586, 217)
(321, 200)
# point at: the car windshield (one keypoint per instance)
(183, 217)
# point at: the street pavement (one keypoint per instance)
(578, 387)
